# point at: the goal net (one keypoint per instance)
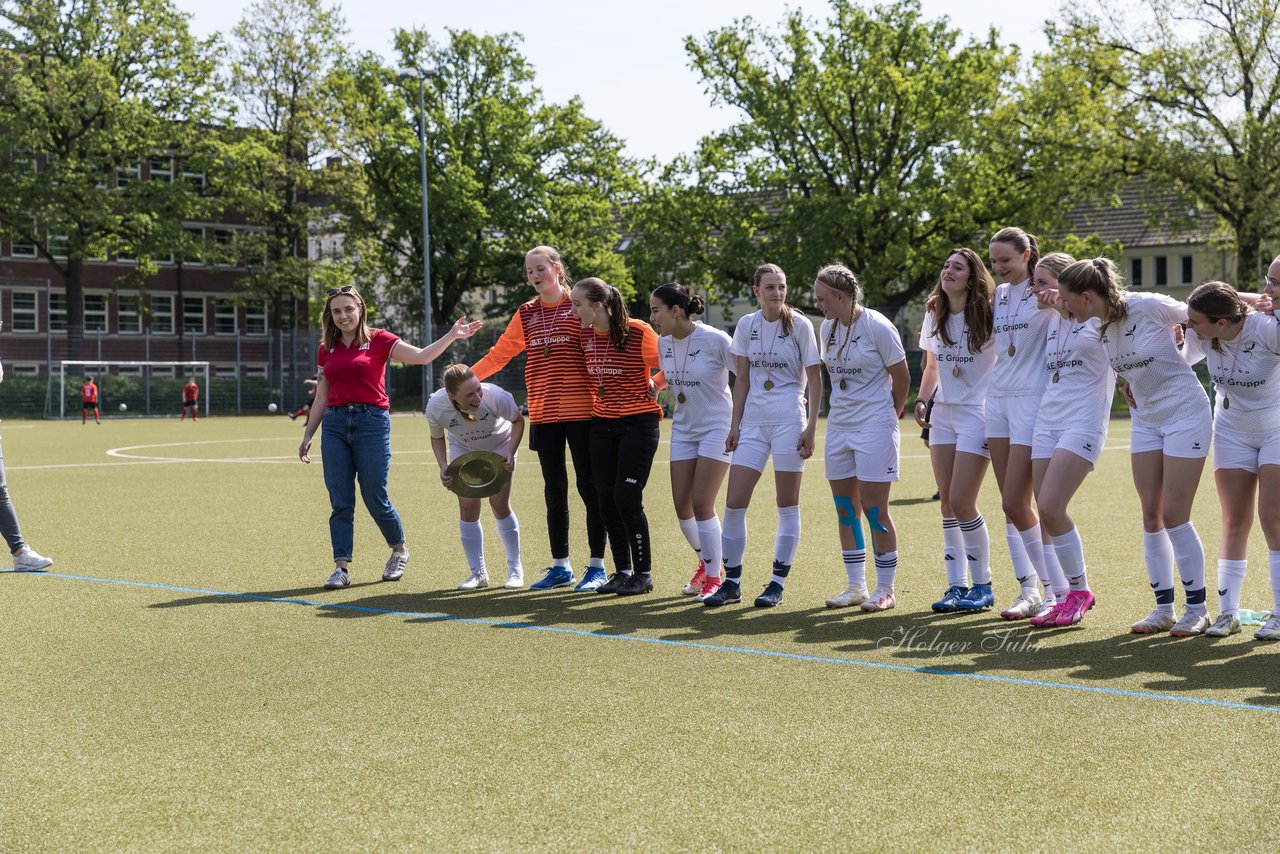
(131, 388)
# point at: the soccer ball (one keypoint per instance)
(271, 407)
(124, 407)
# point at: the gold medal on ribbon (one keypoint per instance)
(1226, 403)
(680, 397)
(955, 372)
(1055, 376)
(546, 349)
(768, 385)
(1012, 349)
(843, 385)
(600, 391)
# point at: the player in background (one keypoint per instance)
(89, 400)
(867, 366)
(191, 400)
(696, 362)
(25, 559)
(310, 383)
(777, 359)
(478, 416)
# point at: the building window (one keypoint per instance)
(254, 372)
(1162, 271)
(162, 169)
(129, 370)
(162, 315)
(58, 312)
(95, 312)
(128, 321)
(162, 371)
(224, 317)
(255, 318)
(1188, 269)
(194, 250)
(1135, 273)
(25, 313)
(224, 247)
(193, 315)
(21, 245)
(196, 180)
(224, 370)
(25, 369)
(59, 244)
(129, 174)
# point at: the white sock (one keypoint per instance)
(1023, 570)
(1230, 580)
(1188, 551)
(1157, 551)
(709, 533)
(855, 567)
(595, 563)
(886, 570)
(1273, 562)
(472, 544)
(562, 562)
(953, 553)
(977, 549)
(509, 531)
(1059, 586)
(733, 537)
(787, 540)
(689, 527)
(1071, 556)
(1031, 544)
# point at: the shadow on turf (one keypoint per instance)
(967, 643)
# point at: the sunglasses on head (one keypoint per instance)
(345, 289)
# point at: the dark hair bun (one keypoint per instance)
(697, 305)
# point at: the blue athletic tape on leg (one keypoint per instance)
(849, 516)
(873, 520)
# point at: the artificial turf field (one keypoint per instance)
(158, 694)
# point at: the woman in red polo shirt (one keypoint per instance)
(621, 355)
(351, 399)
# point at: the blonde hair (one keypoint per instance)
(452, 379)
(764, 270)
(552, 254)
(331, 332)
(1097, 276)
(838, 277)
(1055, 263)
(1021, 242)
(1218, 301)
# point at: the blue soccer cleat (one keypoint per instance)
(950, 601)
(979, 598)
(557, 576)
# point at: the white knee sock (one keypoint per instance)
(1058, 584)
(734, 536)
(709, 533)
(689, 527)
(1031, 544)
(1157, 551)
(509, 532)
(1273, 560)
(1023, 570)
(855, 566)
(1230, 580)
(787, 540)
(977, 549)
(1188, 551)
(953, 553)
(886, 570)
(1071, 556)
(472, 544)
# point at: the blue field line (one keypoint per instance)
(792, 656)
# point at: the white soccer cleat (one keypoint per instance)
(27, 560)
(1270, 630)
(338, 580)
(394, 570)
(1155, 622)
(881, 600)
(478, 578)
(1226, 624)
(854, 594)
(1026, 605)
(1191, 625)
(515, 578)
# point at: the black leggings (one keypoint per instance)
(548, 441)
(622, 452)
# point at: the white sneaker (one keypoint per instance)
(515, 578)
(477, 578)
(1156, 621)
(338, 580)
(1192, 624)
(394, 570)
(1270, 629)
(854, 594)
(1026, 605)
(1226, 624)
(881, 600)
(27, 560)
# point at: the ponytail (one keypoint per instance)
(1021, 242)
(1099, 277)
(788, 317)
(676, 295)
(598, 291)
(1218, 301)
(452, 379)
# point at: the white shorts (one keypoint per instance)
(1243, 451)
(709, 445)
(1188, 440)
(457, 449)
(755, 444)
(1012, 418)
(870, 455)
(961, 425)
(1086, 444)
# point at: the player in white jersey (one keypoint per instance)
(1071, 427)
(478, 416)
(696, 362)
(777, 359)
(959, 355)
(869, 383)
(1013, 396)
(1170, 433)
(1242, 349)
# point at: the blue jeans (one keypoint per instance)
(356, 441)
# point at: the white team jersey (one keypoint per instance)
(1142, 350)
(1081, 397)
(962, 376)
(698, 368)
(859, 357)
(488, 432)
(1020, 323)
(1245, 374)
(779, 360)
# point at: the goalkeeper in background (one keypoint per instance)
(191, 398)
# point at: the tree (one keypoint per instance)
(1204, 78)
(87, 92)
(507, 171)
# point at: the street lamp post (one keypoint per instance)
(421, 75)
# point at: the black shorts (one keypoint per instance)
(187, 403)
(89, 404)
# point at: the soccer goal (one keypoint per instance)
(131, 388)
